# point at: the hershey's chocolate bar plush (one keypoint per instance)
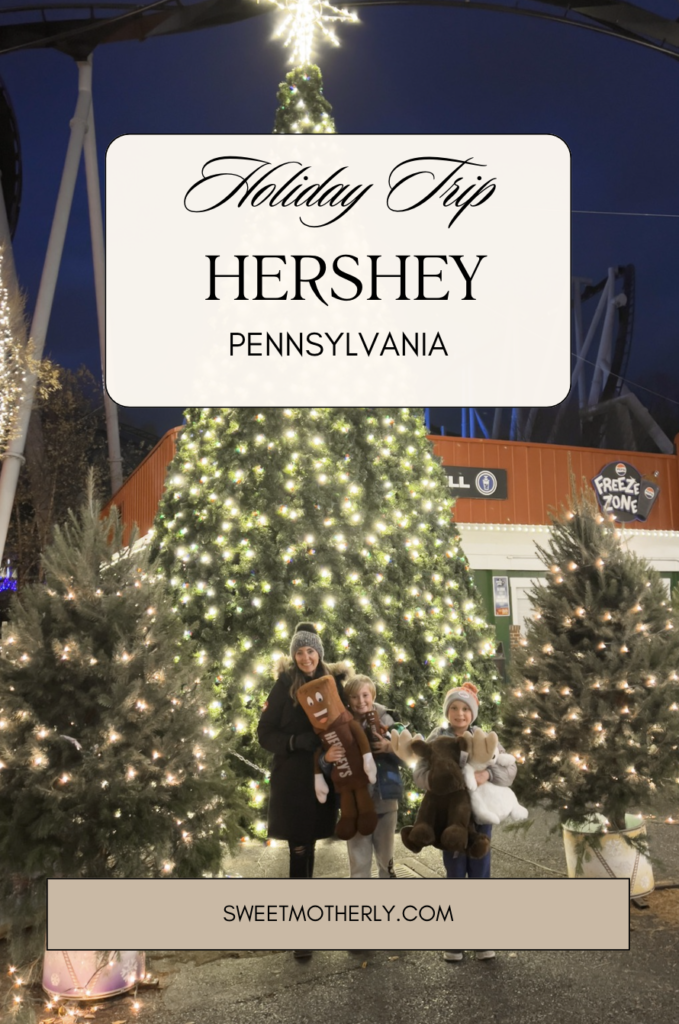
(335, 725)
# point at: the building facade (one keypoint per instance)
(503, 493)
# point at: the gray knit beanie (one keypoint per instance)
(468, 694)
(306, 636)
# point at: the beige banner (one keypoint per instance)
(274, 913)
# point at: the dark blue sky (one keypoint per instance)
(400, 70)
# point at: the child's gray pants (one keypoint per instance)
(361, 849)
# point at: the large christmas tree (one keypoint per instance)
(302, 107)
(108, 766)
(593, 711)
(338, 516)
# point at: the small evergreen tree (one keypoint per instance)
(107, 763)
(338, 516)
(302, 107)
(593, 710)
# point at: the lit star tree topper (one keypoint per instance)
(303, 18)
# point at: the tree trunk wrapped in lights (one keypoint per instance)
(302, 107)
(13, 352)
(593, 710)
(337, 516)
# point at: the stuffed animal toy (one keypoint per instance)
(375, 730)
(491, 804)
(402, 744)
(335, 725)
(372, 725)
(444, 818)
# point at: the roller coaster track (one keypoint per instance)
(34, 26)
(10, 159)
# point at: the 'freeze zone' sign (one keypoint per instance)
(622, 492)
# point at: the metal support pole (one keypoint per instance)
(603, 359)
(14, 455)
(577, 327)
(578, 375)
(530, 423)
(482, 425)
(589, 338)
(643, 417)
(8, 266)
(97, 234)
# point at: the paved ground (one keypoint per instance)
(336, 987)
(633, 987)
(532, 852)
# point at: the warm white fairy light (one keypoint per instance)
(12, 353)
(385, 530)
(301, 21)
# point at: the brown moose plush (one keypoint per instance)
(444, 817)
(334, 724)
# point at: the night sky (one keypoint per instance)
(413, 70)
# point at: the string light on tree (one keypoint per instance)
(100, 748)
(303, 110)
(13, 352)
(313, 557)
(602, 683)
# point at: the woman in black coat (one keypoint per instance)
(294, 812)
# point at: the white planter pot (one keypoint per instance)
(614, 859)
(73, 974)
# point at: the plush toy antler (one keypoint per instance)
(491, 804)
(401, 744)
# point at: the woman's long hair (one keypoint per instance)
(299, 679)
